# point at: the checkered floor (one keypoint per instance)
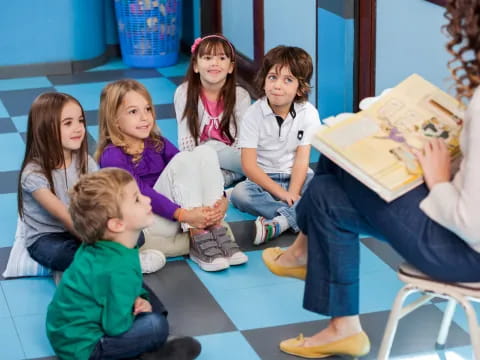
(241, 313)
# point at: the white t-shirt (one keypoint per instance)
(276, 145)
(455, 204)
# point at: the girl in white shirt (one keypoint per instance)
(215, 103)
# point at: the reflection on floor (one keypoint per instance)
(241, 313)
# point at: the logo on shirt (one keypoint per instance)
(300, 135)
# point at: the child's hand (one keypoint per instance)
(435, 162)
(198, 217)
(218, 211)
(141, 305)
(289, 197)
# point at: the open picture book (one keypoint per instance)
(375, 145)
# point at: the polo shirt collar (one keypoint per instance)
(267, 110)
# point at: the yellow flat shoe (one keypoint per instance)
(355, 345)
(270, 256)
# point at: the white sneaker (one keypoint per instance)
(151, 260)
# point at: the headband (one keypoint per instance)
(200, 39)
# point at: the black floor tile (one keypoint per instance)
(18, 102)
(8, 182)
(7, 126)
(100, 76)
(384, 251)
(192, 309)
(177, 80)
(91, 117)
(416, 333)
(165, 111)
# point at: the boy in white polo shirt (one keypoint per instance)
(274, 142)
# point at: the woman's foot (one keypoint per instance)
(285, 263)
(343, 336)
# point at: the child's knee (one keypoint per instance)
(240, 195)
(160, 328)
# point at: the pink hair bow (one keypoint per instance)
(195, 44)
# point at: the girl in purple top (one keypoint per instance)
(186, 188)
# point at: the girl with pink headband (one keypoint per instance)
(215, 103)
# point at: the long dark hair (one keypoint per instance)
(211, 45)
(464, 32)
(44, 144)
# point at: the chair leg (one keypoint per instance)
(392, 323)
(446, 322)
(472, 325)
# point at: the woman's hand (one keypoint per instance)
(141, 306)
(435, 161)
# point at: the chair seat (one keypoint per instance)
(409, 274)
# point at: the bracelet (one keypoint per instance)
(180, 213)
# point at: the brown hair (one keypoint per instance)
(464, 32)
(211, 45)
(109, 133)
(296, 59)
(95, 199)
(44, 144)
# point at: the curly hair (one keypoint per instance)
(463, 28)
(296, 59)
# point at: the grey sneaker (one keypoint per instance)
(229, 247)
(205, 251)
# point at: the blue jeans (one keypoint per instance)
(336, 208)
(148, 332)
(249, 197)
(57, 250)
(54, 250)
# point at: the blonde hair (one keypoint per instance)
(111, 98)
(95, 199)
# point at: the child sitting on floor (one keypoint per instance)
(274, 142)
(100, 309)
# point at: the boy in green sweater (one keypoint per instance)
(100, 309)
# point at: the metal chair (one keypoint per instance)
(416, 281)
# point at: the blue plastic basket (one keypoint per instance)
(149, 31)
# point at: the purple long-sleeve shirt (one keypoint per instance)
(145, 172)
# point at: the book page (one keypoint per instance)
(379, 140)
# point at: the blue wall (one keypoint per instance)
(288, 23)
(335, 63)
(409, 39)
(239, 28)
(51, 31)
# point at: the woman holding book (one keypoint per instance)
(434, 226)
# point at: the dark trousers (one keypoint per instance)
(57, 250)
(336, 208)
(148, 332)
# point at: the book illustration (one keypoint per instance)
(377, 144)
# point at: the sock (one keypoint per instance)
(282, 222)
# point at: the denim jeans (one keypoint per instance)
(148, 332)
(249, 197)
(54, 250)
(336, 208)
(57, 250)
